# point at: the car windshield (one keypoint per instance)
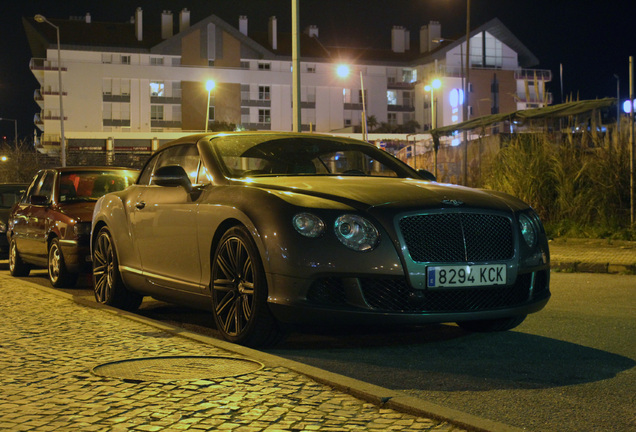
(254, 155)
(10, 194)
(90, 185)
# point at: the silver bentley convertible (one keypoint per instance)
(267, 230)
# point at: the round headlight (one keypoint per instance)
(356, 232)
(528, 230)
(309, 225)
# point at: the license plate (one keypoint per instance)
(466, 275)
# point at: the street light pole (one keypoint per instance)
(435, 84)
(466, 96)
(209, 85)
(364, 110)
(15, 125)
(296, 115)
(40, 18)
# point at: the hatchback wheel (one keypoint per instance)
(58, 273)
(109, 287)
(239, 292)
(17, 267)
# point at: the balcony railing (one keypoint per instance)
(44, 64)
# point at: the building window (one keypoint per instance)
(245, 65)
(156, 112)
(311, 68)
(107, 58)
(264, 66)
(407, 99)
(157, 88)
(264, 116)
(125, 59)
(392, 118)
(211, 113)
(156, 61)
(391, 97)
(263, 93)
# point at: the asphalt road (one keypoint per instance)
(570, 367)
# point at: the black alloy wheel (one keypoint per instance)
(107, 283)
(59, 276)
(17, 267)
(239, 292)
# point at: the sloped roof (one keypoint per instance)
(498, 30)
(101, 36)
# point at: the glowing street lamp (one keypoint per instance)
(41, 19)
(209, 86)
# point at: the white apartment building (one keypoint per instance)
(127, 87)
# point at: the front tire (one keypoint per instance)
(239, 292)
(58, 273)
(108, 285)
(492, 325)
(17, 267)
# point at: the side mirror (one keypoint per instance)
(426, 175)
(172, 176)
(39, 200)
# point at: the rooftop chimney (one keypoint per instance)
(243, 24)
(184, 20)
(273, 33)
(139, 18)
(88, 18)
(430, 36)
(166, 24)
(398, 39)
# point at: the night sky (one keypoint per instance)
(592, 39)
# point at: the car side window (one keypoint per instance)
(33, 187)
(186, 156)
(146, 174)
(46, 188)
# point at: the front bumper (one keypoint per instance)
(391, 300)
(77, 256)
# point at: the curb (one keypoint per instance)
(590, 267)
(380, 396)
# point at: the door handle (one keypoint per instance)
(140, 205)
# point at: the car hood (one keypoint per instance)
(401, 194)
(80, 211)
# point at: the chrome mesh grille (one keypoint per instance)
(458, 237)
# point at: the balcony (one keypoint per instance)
(44, 65)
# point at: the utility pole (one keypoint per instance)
(632, 150)
(297, 122)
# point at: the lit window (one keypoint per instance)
(157, 88)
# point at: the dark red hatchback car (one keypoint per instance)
(50, 227)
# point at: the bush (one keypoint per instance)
(579, 184)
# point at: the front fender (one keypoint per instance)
(114, 211)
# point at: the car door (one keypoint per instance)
(164, 225)
(20, 217)
(40, 216)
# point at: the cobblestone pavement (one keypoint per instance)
(50, 345)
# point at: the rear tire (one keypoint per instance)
(493, 325)
(107, 283)
(59, 276)
(239, 292)
(17, 267)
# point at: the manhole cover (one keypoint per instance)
(177, 368)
